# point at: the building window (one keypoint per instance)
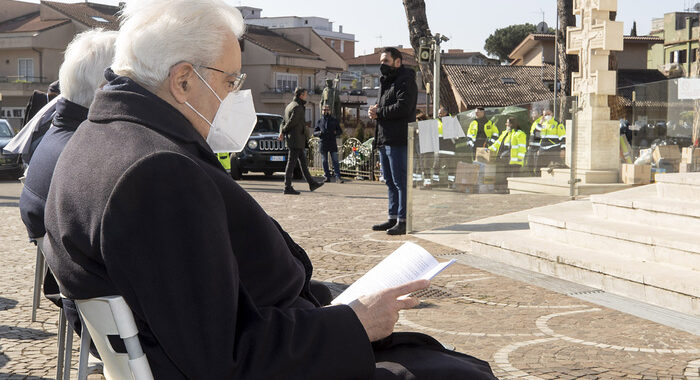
(342, 46)
(25, 70)
(682, 56)
(307, 114)
(693, 55)
(672, 57)
(99, 19)
(333, 44)
(508, 81)
(12, 113)
(310, 83)
(286, 82)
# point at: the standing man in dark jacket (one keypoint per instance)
(328, 128)
(294, 131)
(394, 110)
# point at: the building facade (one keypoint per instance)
(279, 60)
(538, 50)
(679, 32)
(343, 43)
(33, 38)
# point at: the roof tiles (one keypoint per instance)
(479, 85)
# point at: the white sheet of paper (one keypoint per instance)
(21, 142)
(428, 139)
(408, 263)
(451, 129)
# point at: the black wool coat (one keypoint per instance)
(32, 201)
(398, 94)
(140, 207)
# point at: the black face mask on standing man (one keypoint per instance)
(386, 70)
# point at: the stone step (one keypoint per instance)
(643, 206)
(672, 287)
(679, 186)
(563, 176)
(629, 240)
(538, 185)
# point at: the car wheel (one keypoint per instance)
(236, 172)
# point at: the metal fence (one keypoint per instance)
(357, 159)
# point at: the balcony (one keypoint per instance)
(22, 86)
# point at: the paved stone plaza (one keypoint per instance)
(523, 330)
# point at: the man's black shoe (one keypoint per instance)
(328, 179)
(315, 185)
(290, 190)
(398, 229)
(384, 226)
(339, 180)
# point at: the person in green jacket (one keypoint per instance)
(294, 130)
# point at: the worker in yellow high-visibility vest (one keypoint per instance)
(225, 160)
(482, 132)
(510, 149)
(547, 141)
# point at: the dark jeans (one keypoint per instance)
(393, 160)
(296, 156)
(336, 164)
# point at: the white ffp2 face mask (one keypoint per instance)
(233, 123)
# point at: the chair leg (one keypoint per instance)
(61, 345)
(39, 270)
(84, 353)
(68, 358)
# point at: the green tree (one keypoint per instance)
(502, 42)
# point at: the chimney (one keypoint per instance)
(340, 28)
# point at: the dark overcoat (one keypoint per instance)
(398, 94)
(217, 288)
(294, 124)
(327, 129)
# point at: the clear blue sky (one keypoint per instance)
(468, 23)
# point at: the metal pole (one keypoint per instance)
(690, 43)
(436, 76)
(556, 66)
(571, 145)
(409, 176)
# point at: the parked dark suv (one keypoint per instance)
(10, 164)
(263, 152)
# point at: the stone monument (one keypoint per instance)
(592, 140)
(596, 137)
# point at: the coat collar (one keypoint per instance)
(122, 99)
(69, 115)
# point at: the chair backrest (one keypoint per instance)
(111, 315)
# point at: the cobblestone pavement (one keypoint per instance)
(524, 331)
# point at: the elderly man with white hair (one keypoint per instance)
(81, 74)
(218, 290)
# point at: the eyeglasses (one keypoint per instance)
(233, 85)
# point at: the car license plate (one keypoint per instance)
(277, 158)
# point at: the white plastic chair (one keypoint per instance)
(106, 316)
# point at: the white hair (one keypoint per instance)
(84, 64)
(155, 35)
